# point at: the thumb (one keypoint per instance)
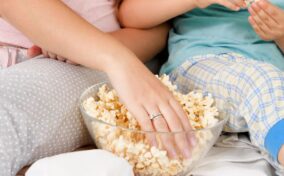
(34, 51)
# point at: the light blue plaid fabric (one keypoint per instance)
(252, 91)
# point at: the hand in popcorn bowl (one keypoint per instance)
(114, 129)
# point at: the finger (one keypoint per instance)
(175, 125)
(62, 59)
(254, 10)
(34, 51)
(51, 55)
(161, 125)
(184, 120)
(71, 62)
(45, 54)
(265, 17)
(239, 3)
(257, 29)
(270, 9)
(228, 4)
(146, 124)
(254, 25)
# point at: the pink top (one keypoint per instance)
(100, 13)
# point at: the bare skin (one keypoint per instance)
(51, 25)
(151, 41)
(132, 12)
(268, 21)
(266, 18)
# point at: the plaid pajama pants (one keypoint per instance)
(251, 91)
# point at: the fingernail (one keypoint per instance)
(155, 144)
(187, 153)
(174, 154)
(152, 140)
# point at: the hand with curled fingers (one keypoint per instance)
(36, 51)
(267, 20)
(235, 5)
(154, 107)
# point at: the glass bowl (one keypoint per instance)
(133, 145)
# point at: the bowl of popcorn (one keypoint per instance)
(115, 129)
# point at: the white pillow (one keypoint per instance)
(83, 163)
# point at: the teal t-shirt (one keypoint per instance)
(217, 30)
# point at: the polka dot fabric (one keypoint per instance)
(39, 113)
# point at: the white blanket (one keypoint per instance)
(233, 155)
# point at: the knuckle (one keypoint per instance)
(161, 126)
(145, 123)
(168, 139)
(176, 126)
(265, 19)
(181, 138)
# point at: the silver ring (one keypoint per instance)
(153, 116)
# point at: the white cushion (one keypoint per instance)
(83, 163)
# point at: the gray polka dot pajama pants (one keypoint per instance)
(39, 113)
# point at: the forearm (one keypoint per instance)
(150, 13)
(280, 44)
(53, 26)
(144, 43)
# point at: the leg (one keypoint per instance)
(39, 113)
(253, 90)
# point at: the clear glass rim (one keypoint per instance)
(92, 119)
(221, 121)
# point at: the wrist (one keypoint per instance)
(122, 61)
(110, 54)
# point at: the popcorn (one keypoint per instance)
(133, 146)
(249, 2)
